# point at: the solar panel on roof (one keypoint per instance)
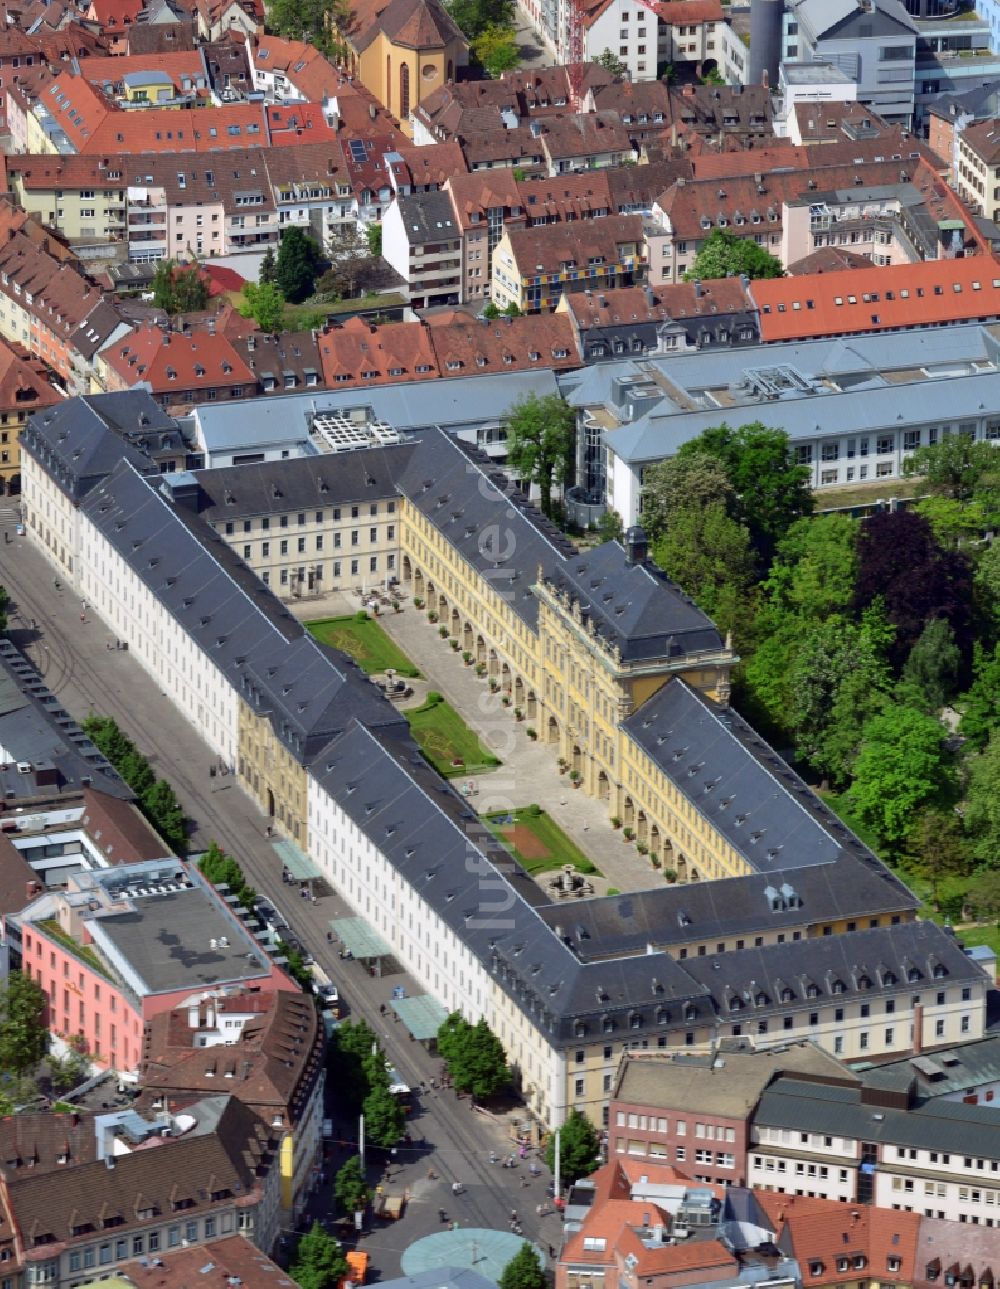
(358, 150)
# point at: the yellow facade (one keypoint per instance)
(86, 214)
(273, 776)
(401, 77)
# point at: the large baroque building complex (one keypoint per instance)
(783, 925)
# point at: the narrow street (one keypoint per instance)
(70, 649)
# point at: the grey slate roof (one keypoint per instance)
(636, 606)
(824, 962)
(746, 790)
(428, 217)
(36, 728)
(490, 524)
(309, 691)
(840, 1111)
(72, 441)
(942, 1072)
(233, 492)
(734, 907)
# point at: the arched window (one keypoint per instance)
(404, 91)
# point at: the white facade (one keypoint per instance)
(635, 35)
(178, 665)
(842, 456)
(935, 1183)
(431, 951)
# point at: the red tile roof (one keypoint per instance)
(114, 15)
(24, 384)
(676, 12)
(625, 304)
(853, 301)
(298, 123)
(175, 63)
(360, 353)
(199, 361)
(781, 155)
(823, 1233)
(466, 346)
(43, 170)
(829, 259)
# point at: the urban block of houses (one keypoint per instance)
(265, 696)
(179, 369)
(852, 414)
(85, 1193)
(113, 947)
(534, 267)
(267, 1049)
(24, 388)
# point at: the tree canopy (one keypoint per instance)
(523, 1271)
(901, 564)
(474, 16)
(710, 556)
(497, 50)
(541, 435)
(317, 22)
(723, 254)
(297, 264)
(319, 1261)
(24, 1035)
(350, 1187)
(474, 1055)
(266, 304)
(579, 1148)
(179, 289)
(611, 63)
(771, 490)
(901, 768)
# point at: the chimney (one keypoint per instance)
(372, 111)
(636, 546)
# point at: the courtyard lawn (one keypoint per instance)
(537, 842)
(980, 933)
(366, 642)
(444, 738)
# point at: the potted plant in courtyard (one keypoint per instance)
(531, 733)
(506, 700)
(616, 821)
(575, 777)
(628, 833)
(443, 632)
(518, 714)
(431, 616)
(563, 765)
(418, 602)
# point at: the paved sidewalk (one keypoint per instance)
(529, 772)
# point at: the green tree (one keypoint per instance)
(611, 63)
(4, 605)
(163, 810)
(24, 1035)
(902, 768)
(474, 1055)
(319, 1261)
(512, 310)
(983, 895)
(697, 479)
(266, 305)
(541, 433)
(179, 289)
(933, 665)
(579, 1148)
(374, 234)
(267, 267)
(986, 589)
(772, 491)
(474, 16)
(723, 254)
(710, 557)
(815, 567)
(610, 526)
(490, 310)
(497, 50)
(297, 264)
(295, 965)
(980, 705)
(350, 1188)
(349, 253)
(348, 1051)
(952, 522)
(317, 22)
(838, 679)
(385, 1118)
(69, 1070)
(939, 848)
(957, 467)
(523, 1271)
(221, 869)
(982, 807)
